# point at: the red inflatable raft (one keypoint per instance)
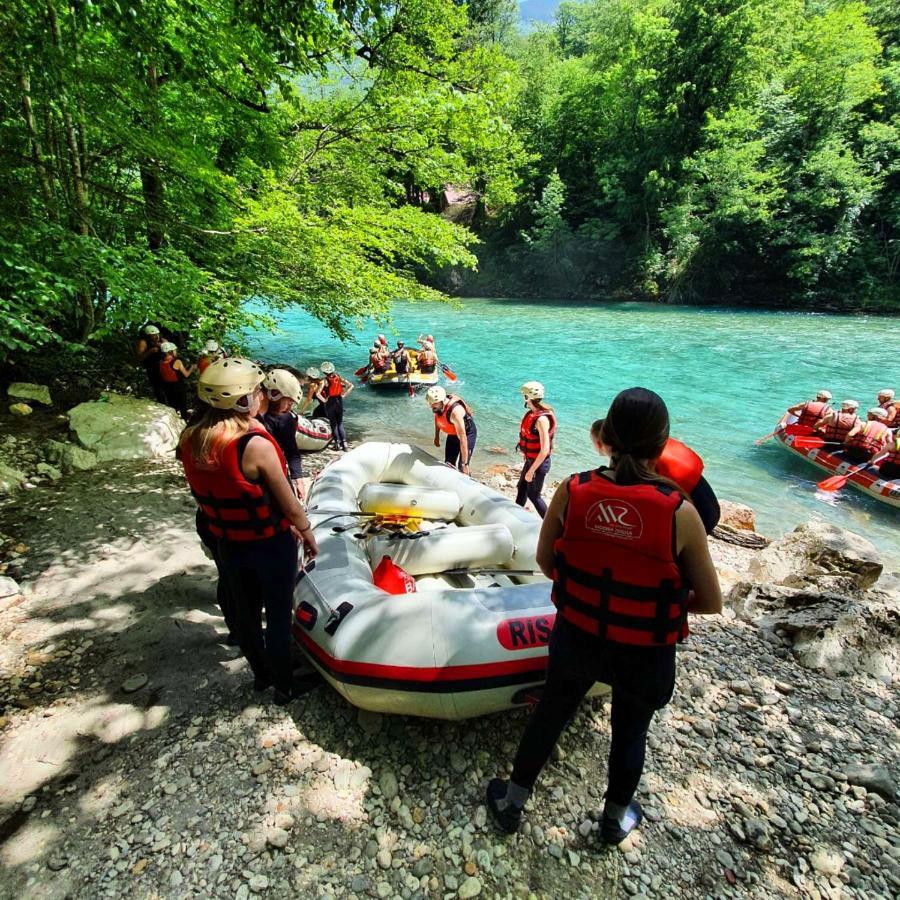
(812, 449)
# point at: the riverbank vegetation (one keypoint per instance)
(164, 161)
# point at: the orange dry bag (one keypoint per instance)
(391, 578)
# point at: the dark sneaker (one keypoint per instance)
(508, 818)
(301, 685)
(611, 832)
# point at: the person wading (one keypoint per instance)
(147, 351)
(621, 547)
(332, 392)
(283, 390)
(238, 477)
(174, 375)
(536, 433)
(453, 416)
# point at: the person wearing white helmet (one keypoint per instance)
(331, 393)
(453, 417)
(536, 433)
(866, 439)
(283, 390)
(427, 357)
(211, 352)
(378, 358)
(886, 402)
(835, 425)
(238, 476)
(174, 375)
(147, 352)
(313, 383)
(807, 413)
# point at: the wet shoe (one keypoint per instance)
(507, 819)
(301, 685)
(613, 832)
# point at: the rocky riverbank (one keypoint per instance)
(135, 759)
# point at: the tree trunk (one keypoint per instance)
(37, 155)
(152, 184)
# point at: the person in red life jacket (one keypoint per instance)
(427, 358)
(893, 419)
(807, 414)
(238, 477)
(174, 375)
(629, 560)
(379, 359)
(283, 390)
(536, 433)
(866, 439)
(683, 466)
(211, 352)
(889, 469)
(331, 393)
(835, 426)
(147, 351)
(453, 417)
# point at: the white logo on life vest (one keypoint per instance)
(616, 518)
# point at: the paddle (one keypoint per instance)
(836, 482)
(448, 372)
(360, 371)
(762, 440)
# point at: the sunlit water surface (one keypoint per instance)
(726, 376)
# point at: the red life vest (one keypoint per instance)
(442, 419)
(427, 360)
(529, 436)
(615, 572)
(333, 386)
(203, 364)
(236, 509)
(680, 464)
(167, 370)
(893, 455)
(839, 426)
(812, 411)
(871, 437)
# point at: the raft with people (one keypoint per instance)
(425, 598)
(401, 368)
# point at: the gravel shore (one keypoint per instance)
(135, 759)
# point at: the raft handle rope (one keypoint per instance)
(333, 614)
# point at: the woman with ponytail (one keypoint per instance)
(629, 560)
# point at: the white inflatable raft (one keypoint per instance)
(463, 644)
(312, 434)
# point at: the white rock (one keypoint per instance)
(126, 428)
(826, 861)
(471, 887)
(388, 784)
(8, 587)
(284, 820)
(258, 883)
(278, 837)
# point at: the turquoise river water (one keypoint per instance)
(726, 376)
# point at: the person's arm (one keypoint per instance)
(261, 461)
(320, 394)
(149, 350)
(552, 529)
(856, 429)
(437, 433)
(696, 563)
(543, 429)
(823, 422)
(457, 417)
(348, 386)
(179, 367)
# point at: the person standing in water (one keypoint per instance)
(147, 351)
(283, 390)
(238, 477)
(453, 416)
(174, 375)
(629, 560)
(536, 433)
(332, 392)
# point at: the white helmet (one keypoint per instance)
(281, 383)
(211, 347)
(823, 395)
(314, 373)
(229, 383)
(167, 347)
(327, 368)
(435, 394)
(150, 330)
(878, 412)
(532, 390)
(850, 404)
(382, 339)
(887, 393)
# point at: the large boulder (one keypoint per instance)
(23, 390)
(737, 516)
(70, 457)
(819, 554)
(117, 427)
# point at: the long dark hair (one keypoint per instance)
(636, 430)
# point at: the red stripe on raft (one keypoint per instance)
(313, 434)
(421, 673)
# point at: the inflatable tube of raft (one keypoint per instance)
(461, 645)
(312, 434)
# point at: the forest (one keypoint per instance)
(166, 160)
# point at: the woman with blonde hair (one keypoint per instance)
(238, 476)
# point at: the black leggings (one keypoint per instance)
(642, 681)
(452, 450)
(176, 397)
(334, 409)
(707, 504)
(223, 591)
(262, 575)
(532, 490)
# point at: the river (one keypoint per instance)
(726, 375)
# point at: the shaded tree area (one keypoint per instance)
(738, 151)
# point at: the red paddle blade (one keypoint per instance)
(834, 483)
(360, 370)
(363, 379)
(450, 373)
(409, 387)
